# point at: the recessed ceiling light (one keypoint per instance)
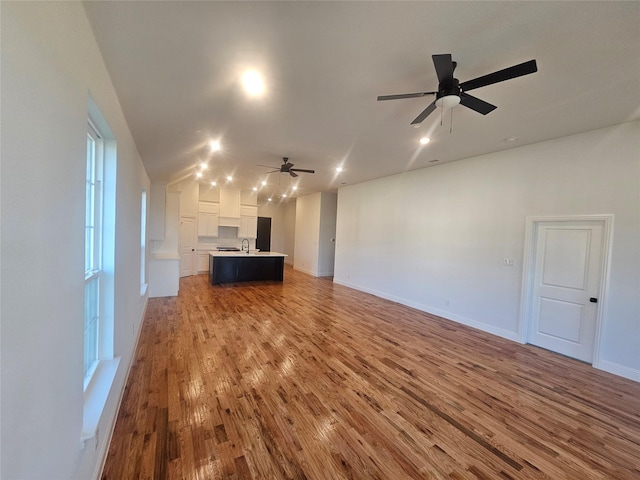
(253, 83)
(213, 184)
(338, 169)
(284, 195)
(295, 187)
(214, 145)
(511, 139)
(198, 174)
(264, 182)
(204, 166)
(425, 140)
(255, 189)
(229, 178)
(269, 199)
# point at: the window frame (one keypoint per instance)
(143, 242)
(94, 196)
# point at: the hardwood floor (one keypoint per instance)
(308, 379)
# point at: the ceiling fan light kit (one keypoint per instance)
(451, 92)
(448, 101)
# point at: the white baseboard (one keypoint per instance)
(304, 270)
(500, 332)
(605, 365)
(617, 369)
(324, 274)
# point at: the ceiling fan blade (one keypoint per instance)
(476, 104)
(292, 173)
(405, 95)
(425, 113)
(444, 66)
(501, 75)
(302, 170)
(267, 166)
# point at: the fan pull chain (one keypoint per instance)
(451, 122)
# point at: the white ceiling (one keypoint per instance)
(176, 68)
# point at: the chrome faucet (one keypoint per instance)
(245, 240)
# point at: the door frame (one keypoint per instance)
(528, 271)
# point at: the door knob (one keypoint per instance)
(593, 300)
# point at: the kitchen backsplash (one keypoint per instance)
(227, 237)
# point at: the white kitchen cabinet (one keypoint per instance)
(203, 262)
(248, 227)
(248, 211)
(248, 221)
(208, 219)
(229, 203)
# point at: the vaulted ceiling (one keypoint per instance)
(176, 66)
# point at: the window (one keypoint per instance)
(92, 252)
(143, 243)
(100, 365)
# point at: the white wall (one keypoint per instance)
(50, 64)
(327, 234)
(436, 238)
(307, 232)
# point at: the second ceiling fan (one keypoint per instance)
(451, 92)
(286, 167)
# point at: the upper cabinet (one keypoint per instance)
(229, 207)
(208, 219)
(234, 206)
(248, 227)
(229, 203)
(248, 222)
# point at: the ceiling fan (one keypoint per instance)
(286, 167)
(451, 92)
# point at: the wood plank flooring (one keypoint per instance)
(311, 380)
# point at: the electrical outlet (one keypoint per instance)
(509, 262)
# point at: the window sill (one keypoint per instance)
(95, 397)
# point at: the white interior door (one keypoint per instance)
(566, 284)
(187, 246)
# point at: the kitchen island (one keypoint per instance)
(228, 267)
